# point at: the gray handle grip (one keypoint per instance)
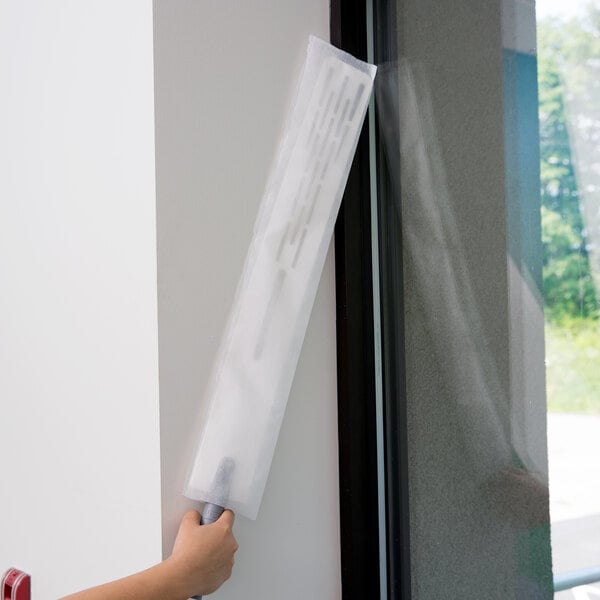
(210, 513)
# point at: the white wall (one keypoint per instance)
(79, 421)
(80, 434)
(224, 74)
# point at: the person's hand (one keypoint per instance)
(519, 497)
(202, 557)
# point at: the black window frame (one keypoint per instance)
(367, 29)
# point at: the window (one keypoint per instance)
(442, 266)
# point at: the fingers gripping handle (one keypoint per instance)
(212, 512)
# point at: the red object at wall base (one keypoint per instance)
(15, 585)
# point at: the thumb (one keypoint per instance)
(190, 519)
(227, 518)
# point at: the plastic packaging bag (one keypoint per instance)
(259, 352)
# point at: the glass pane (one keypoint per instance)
(569, 105)
(462, 187)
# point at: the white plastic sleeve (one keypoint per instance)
(253, 373)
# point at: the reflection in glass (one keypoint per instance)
(465, 191)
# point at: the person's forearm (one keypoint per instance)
(201, 561)
(160, 582)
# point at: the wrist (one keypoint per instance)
(175, 577)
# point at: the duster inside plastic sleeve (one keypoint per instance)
(259, 351)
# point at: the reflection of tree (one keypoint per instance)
(569, 86)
